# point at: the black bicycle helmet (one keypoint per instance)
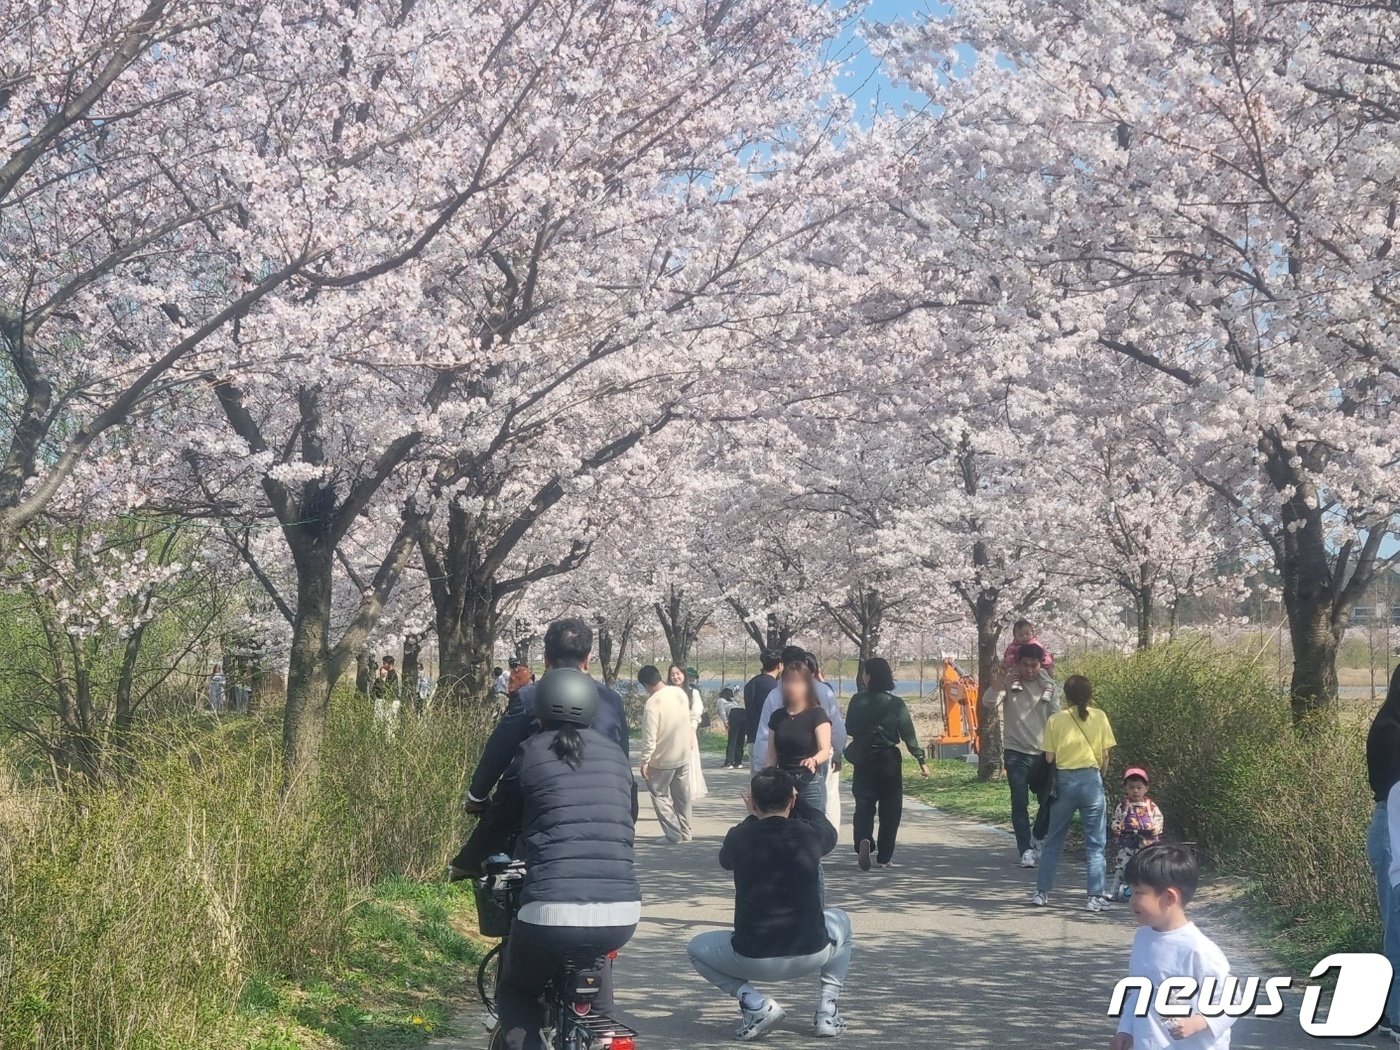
(566, 694)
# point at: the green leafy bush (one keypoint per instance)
(1287, 807)
(135, 916)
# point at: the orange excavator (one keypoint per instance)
(959, 692)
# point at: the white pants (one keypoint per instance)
(833, 796)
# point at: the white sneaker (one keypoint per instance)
(1039, 899)
(1028, 859)
(1095, 904)
(755, 1022)
(827, 1025)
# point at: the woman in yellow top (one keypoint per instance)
(1077, 740)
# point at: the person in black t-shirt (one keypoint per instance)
(781, 931)
(756, 691)
(799, 736)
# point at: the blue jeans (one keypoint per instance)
(1379, 852)
(1018, 769)
(1082, 790)
(811, 787)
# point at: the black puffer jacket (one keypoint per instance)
(578, 833)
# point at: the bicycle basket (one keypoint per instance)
(497, 901)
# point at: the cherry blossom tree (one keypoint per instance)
(1207, 194)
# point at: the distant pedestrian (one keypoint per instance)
(1078, 741)
(385, 690)
(667, 738)
(735, 721)
(680, 677)
(781, 931)
(1169, 946)
(1024, 714)
(756, 692)
(216, 689)
(499, 681)
(876, 722)
(1136, 824)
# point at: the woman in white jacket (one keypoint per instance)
(675, 675)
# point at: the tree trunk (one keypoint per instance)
(612, 651)
(364, 672)
(1143, 603)
(466, 638)
(989, 740)
(1315, 645)
(308, 678)
(408, 677)
(1317, 607)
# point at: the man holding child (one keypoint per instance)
(1027, 701)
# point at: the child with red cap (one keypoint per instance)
(1136, 824)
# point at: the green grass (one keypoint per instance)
(953, 787)
(410, 964)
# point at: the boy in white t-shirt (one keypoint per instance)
(1168, 944)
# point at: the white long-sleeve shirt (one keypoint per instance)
(826, 695)
(1186, 952)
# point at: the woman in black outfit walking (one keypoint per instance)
(876, 722)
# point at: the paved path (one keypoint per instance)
(949, 952)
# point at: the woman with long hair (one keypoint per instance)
(675, 675)
(799, 735)
(876, 722)
(576, 791)
(1383, 771)
(1077, 740)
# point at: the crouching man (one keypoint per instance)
(781, 931)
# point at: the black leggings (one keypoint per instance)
(533, 956)
(878, 783)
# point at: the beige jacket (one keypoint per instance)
(667, 736)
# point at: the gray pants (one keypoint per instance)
(714, 958)
(670, 795)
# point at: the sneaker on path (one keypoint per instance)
(1040, 900)
(863, 855)
(1028, 859)
(828, 1025)
(1095, 904)
(886, 864)
(755, 1022)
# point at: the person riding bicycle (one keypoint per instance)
(568, 642)
(580, 899)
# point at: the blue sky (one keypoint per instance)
(867, 83)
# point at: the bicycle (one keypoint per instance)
(571, 1023)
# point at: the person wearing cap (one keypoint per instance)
(1136, 824)
(580, 898)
